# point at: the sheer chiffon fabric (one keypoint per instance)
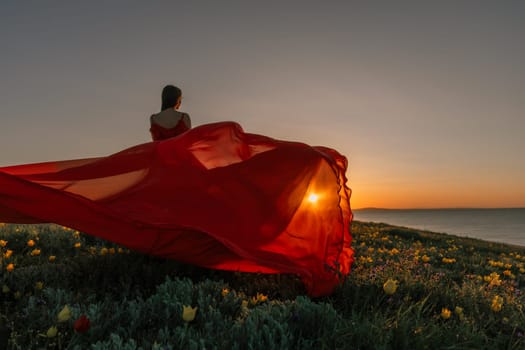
(214, 196)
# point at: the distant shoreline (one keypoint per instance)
(499, 224)
(441, 235)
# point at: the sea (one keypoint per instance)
(497, 225)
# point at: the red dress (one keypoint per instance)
(160, 133)
(214, 196)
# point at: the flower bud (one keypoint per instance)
(82, 324)
(52, 332)
(390, 286)
(64, 314)
(188, 313)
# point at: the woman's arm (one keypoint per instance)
(186, 119)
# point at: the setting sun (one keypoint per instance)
(312, 198)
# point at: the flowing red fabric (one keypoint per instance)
(214, 196)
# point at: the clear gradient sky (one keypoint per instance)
(425, 98)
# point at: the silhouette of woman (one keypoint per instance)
(169, 122)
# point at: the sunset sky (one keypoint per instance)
(425, 98)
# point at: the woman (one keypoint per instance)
(169, 122)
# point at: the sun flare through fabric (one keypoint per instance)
(312, 198)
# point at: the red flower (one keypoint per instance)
(82, 324)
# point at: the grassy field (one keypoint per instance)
(61, 289)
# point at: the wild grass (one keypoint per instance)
(408, 289)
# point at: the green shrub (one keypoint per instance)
(135, 301)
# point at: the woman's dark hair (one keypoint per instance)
(170, 96)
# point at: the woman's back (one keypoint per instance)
(169, 123)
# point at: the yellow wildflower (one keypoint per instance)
(496, 263)
(522, 270)
(31, 243)
(120, 250)
(76, 234)
(365, 259)
(225, 292)
(8, 253)
(52, 258)
(425, 258)
(394, 251)
(494, 279)
(497, 303)
(459, 311)
(259, 298)
(51, 332)
(39, 285)
(507, 272)
(35, 252)
(3, 243)
(445, 313)
(111, 250)
(64, 314)
(103, 251)
(495, 282)
(508, 266)
(10, 267)
(390, 286)
(77, 245)
(188, 313)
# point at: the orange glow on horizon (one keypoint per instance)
(415, 197)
